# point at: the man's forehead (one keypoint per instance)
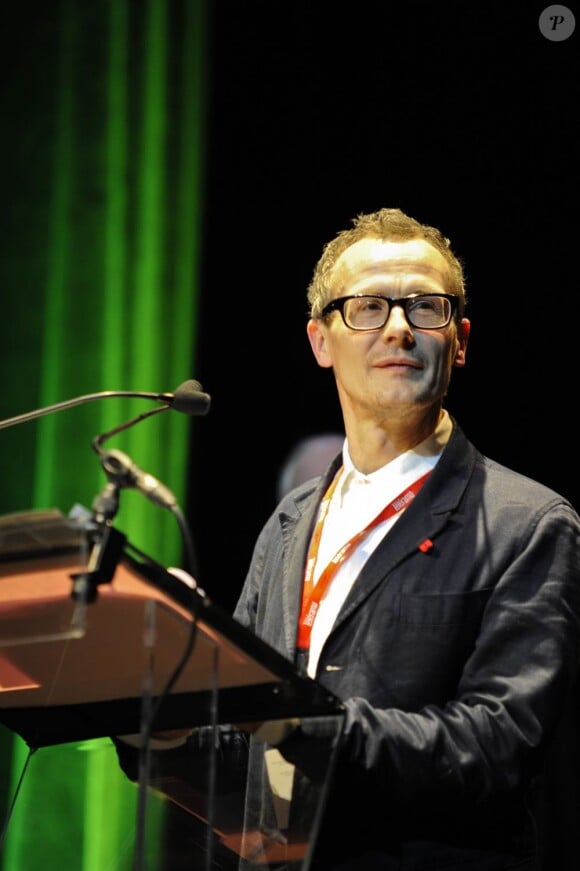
(377, 256)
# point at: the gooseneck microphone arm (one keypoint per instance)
(98, 440)
(188, 398)
(80, 400)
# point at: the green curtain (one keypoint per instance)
(100, 245)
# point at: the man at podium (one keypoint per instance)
(433, 590)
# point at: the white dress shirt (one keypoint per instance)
(357, 499)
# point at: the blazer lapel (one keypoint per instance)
(296, 529)
(422, 520)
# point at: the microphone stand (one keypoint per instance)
(120, 471)
(107, 543)
(106, 503)
(189, 399)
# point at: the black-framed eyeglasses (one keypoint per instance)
(370, 311)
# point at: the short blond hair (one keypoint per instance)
(389, 225)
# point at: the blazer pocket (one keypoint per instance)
(442, 609)
(431, 639)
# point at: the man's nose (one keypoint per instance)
(397, 321)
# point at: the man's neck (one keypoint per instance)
(372, 445)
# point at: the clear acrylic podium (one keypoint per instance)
(97, 640)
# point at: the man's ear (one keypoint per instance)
(317, 338)
(463, 330)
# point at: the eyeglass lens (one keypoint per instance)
(370, 313)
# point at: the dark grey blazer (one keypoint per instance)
(458, 665)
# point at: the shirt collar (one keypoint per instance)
(416, 459)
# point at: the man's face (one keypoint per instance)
(398, 367)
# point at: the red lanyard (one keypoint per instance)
(312, 593)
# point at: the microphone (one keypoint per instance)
(123, 472)
(188, 398)
(120, 469)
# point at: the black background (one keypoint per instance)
(462, 114)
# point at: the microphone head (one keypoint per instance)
(190, 398)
